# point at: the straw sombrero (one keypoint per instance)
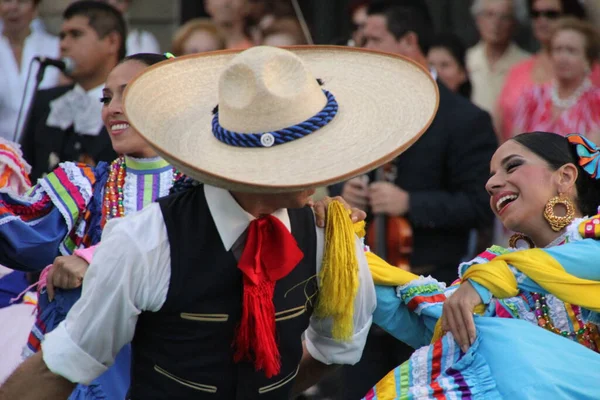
(276, 129)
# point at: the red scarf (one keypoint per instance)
(271, 252)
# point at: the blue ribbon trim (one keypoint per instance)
(268, 139)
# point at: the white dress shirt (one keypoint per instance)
(13, 79)
(139, 41)
(79, 108)
(130, 273)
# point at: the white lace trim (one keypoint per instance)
(558, 313)
(523, 309)
(572, 232)
(166, 182)
(419, 367)
(76, 177)
(130, 192)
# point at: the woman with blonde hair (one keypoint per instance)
(198, 35)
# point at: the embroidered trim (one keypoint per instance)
(281, 383)
(205, 317)
(421, 294)
(70, 187)
(144, 185)
(196, 386)
(289, 314)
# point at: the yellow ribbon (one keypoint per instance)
(497, 277)
(543, 269)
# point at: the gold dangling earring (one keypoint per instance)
(557, 223)
(512, 241)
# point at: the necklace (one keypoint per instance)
(572, 99)
(113, 192)
(584, 335)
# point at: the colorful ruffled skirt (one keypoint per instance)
(510, 359)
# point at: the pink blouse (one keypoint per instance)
(518, 81)
(534, 112)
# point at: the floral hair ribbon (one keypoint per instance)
(588, 153)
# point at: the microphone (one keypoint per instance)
(66, 64)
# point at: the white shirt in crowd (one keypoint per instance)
(139, 41)
(130, 273)
(13, 80)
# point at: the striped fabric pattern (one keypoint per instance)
(421, 294)
(70, 187)
(437, 372)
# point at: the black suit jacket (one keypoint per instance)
(445, 173)
(40, 141)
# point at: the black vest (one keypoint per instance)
(184, 351)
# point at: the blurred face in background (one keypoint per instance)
(224, 12)
(201, 41)
(359, 19)
(80, 42)
(496, 21)
(450, 72)
(280, 39)
(378, 37)
(544, 15)
(17, 15)
(568, 48)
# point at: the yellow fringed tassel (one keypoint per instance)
(339, 272)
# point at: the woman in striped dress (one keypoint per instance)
(60, 220)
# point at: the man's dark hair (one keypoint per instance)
(418, 5)
(103, 18)
(406, 16)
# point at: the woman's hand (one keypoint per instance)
(67, 272)
(320, 209)
(457, 316)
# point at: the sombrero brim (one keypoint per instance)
(386, 102)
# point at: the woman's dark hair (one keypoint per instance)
(146, 58)
(457, 49)
(557, 151)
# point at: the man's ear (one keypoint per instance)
(113, 40)
(411, 40)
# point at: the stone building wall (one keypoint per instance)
(161, 17)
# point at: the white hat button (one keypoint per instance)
(267, 139)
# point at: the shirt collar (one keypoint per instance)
(434, 73)
(94, 93)
(230, 219)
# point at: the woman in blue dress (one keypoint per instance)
(536, 332)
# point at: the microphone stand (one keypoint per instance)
(38, 80)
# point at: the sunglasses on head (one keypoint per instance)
(550, 14)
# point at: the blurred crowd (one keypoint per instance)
(522, 91)
(489, 93)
